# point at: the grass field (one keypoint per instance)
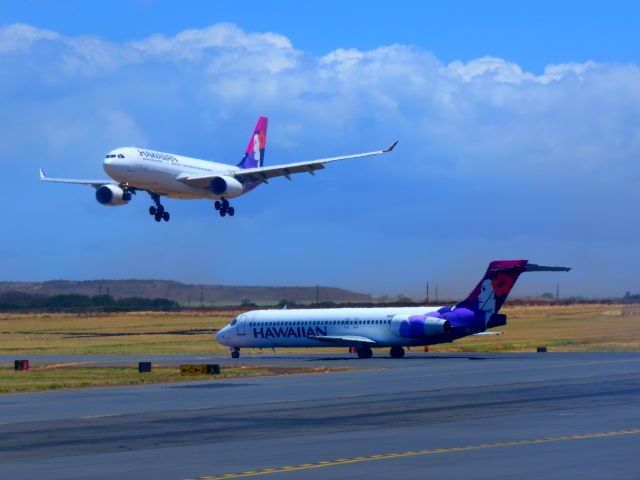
(585, 327)
(76, 375)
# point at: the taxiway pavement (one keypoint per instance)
(551, 415)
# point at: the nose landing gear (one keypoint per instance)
(223, 207)
(158, 211)
(235, 352)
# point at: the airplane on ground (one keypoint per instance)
(395, 327)
(161, 174)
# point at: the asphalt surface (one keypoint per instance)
(455, 416)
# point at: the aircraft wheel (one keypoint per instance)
(166, 216)
(225, 203)
(223, 212)
(235, 354)
(365, 352)
(152, 210)
(217, 204)
(231, 211)
(396, 352)
(160, 210)
(158, 216)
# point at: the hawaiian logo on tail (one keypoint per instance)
(489, 295)
(254, 154)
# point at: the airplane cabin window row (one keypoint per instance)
(317, 322)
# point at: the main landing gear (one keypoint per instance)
(223, 207)
(365, 352)
(235, 352)
(396, 352)
(158, 210)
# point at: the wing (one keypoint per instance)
(482, 334)
(263, 174)
(93, 183)
(344, 339)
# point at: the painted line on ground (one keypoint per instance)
(102, 415)
(433, 451)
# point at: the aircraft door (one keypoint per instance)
(242, 325)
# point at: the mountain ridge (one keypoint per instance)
(184, 292)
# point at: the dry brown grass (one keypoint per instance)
(139, 332)
(65, 376)
(562, 328)
(567, 328)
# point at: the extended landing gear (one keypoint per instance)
(158, 211)
(235, 352)
(365, 352)
(223, 207)
(396, 352)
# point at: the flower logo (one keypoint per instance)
(502, 284)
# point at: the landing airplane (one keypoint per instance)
(395, 327)
(161, 174)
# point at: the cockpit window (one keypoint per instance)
(120, 155)
(234, 321)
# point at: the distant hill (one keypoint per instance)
(182, 292)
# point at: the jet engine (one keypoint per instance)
(418, 326)
(436, 326)
(226, 186)
(112, 195)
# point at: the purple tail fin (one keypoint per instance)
(254, 155)
(489, 295)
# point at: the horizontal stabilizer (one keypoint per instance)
(532, 267)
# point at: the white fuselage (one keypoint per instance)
(160, 172)
(292, 328)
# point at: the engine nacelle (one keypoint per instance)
(226, 186)
(436, 326)
(419, 326)
(112, 195)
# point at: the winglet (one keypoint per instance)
(390, 147)
(42, 175)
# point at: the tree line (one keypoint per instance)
(11, 301)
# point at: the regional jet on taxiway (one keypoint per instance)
(362, 329)
(167, 175)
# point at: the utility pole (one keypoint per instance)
(427, 292)
(317, 294)
(107, 291)
(436, 292)
(557, 292)
(201, 296)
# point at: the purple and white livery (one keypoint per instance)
(395, 327)
(134, 169)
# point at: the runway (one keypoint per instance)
(450, 415)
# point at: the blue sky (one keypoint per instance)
(518, 128)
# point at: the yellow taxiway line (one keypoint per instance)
(388, 456)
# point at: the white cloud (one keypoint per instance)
(487, 111)
(19, 37)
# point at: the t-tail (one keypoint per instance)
(486, 299)
(254, 155)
